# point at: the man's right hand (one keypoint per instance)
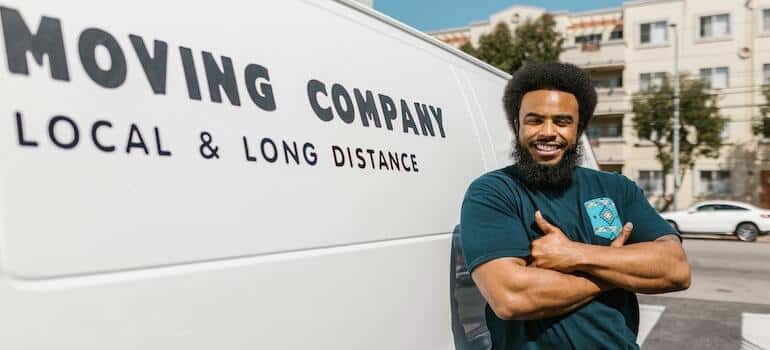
(555, 251)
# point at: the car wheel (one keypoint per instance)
(673, 224)
(747, 232)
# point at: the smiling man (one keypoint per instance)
(544, 239)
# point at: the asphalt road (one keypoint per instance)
(727, 305)
(728, 270)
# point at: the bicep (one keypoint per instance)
(495, 279)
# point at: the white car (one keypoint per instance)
(721, 217)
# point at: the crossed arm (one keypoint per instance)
(563, 275)
(517, 291)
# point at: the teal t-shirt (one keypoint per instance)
(498, 220)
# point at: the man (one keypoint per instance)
(544, 238)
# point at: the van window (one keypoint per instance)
(468, 323)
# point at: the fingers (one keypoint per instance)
(625, 232)
(543, 224)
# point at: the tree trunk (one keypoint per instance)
(669, 199)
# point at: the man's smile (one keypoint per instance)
(546, 149)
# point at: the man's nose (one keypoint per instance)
(548, 129)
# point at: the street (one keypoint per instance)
(727, 305)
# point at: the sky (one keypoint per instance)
(427, 15)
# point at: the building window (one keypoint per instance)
(766, 20)
(725, 134)
(591, 38)
(716, 78)
(716, 26)
(589, 42)
(653, 33)
(650, 81)
(615, 82)
(651, 181)
(617, 33)
(714, 182)
(766, 74)
(605, 127)
(609, 82)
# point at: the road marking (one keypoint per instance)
(649, 315)
(754, 331)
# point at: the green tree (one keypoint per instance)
(495, 48)
(534, 41)
(469, 49)
(537, 41)
(763, 127)
(701, 129)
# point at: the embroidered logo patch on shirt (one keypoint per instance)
(604, 217)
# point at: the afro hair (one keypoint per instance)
(550, 76)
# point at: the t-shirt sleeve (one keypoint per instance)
(648, 224)
(489, 225)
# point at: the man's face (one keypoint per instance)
(548, 121)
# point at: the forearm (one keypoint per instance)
(544, 293)
(650, 267)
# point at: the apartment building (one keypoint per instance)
(631, 48)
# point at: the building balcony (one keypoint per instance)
(612, 101)
(590, 47)
(605, 132)
(609, 150)
(596, 55)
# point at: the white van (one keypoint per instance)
(236, 175)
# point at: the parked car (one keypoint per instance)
(743, 220)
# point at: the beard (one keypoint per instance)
(546, 177)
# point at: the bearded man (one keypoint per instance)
(544, 238)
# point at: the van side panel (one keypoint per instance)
(390, 300)
(281, 180)
(487, 98)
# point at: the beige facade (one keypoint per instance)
(726, 42)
